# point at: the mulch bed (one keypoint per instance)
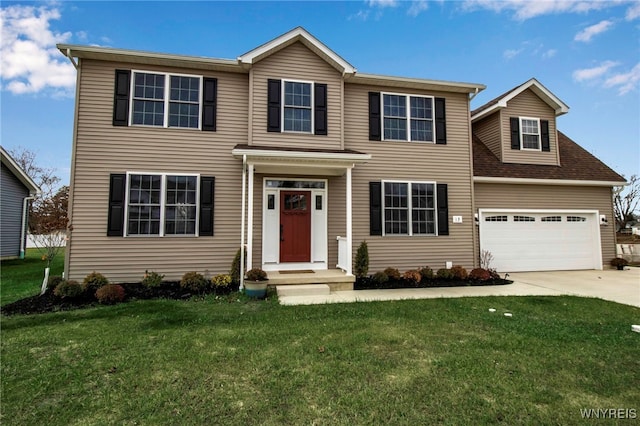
(368, 283)
(48, 302)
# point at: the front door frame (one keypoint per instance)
(271, 225)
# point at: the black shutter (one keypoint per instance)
(117, 190)
(544, 124)
(515, 133)
(375, 208)
(441, 126)
(209, 103)
(121, 98)
(273, 105)
(374, 117)
(207, 190)
(443, 209)
(320, 109)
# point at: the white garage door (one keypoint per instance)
(541, 241)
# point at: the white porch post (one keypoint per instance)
(349, 224)
(250, 220)
(244, 192)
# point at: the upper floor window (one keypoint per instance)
(166, 100)
(530, 133)
(407, 118)
(409, 208)
(296, 106)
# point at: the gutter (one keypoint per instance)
(23, 227)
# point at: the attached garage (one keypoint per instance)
(541, 240)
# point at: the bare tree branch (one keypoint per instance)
(625, 202)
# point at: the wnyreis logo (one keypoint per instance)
(608, 413)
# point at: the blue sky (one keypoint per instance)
(586, 52)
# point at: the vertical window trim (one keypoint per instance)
(163, 205)
(410, 208)
(522, 133)
(283, 105)
(408, 97)
(167, 96)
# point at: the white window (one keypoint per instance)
(552, 219)
(576, 219)
(496, 218)
(530, 133)
(161, 204)
(524, 219)
(166, 100)
(297, 108)
(409, 208)
(407, 118)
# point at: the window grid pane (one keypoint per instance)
(180, 209)
(184, 105)
(396, 208)
(297, 120)
(297, 107)
(530, 134)
(423, 208)
(144, 205)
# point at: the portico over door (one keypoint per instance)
(295, 226)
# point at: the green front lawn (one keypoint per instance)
(232, 361)
(21, 278)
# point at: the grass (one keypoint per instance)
(234, 361)
(23, 277)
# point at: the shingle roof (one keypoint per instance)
(576, 164)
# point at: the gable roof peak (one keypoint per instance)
(298, 34)
(535, 86)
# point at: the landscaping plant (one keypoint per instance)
(361, 265)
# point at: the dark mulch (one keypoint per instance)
(368, 283)
(49, 302)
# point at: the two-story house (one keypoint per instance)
(291, 152)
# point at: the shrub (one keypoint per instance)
(412, 276)
(194, 282)
(426, 273)
(69, 289)
(152, 279)
(392, 273)
(494, 274)
(234, 272)
(221, 282)
(380, 278)
(445, 274)
(94, 281)
(256, 274)
(53, 282)
(459, 272)
(479, 274)
(619, 262)
(361, 266)
(110, 294)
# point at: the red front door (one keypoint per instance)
(295, 226)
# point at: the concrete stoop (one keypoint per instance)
(303, 290)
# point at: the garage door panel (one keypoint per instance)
(532, 244)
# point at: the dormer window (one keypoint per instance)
(530, 135)
(297, 107)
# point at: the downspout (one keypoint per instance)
(244, 184)
(25, 222)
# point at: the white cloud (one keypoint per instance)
(595, 72)
(588, 33)
(382, 3)
(511, 53)
(633, 12)
(417, 7)
(30, 61)
(625, 82)
(550, 53)
(527, 9)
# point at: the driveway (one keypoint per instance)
(609, 284)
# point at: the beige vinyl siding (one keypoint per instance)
(553, 197)
(412, 161)
(102, 149)
(489, 131)
(296, 62)
(528, 104)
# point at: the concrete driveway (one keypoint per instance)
(609, 284)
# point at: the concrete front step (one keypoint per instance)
(303, 290)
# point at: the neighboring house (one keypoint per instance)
(177, 160)
(16, 189)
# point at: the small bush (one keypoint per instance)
(494, 274)
(69, 289)
(361, 266)
(392, 274)
(194, 282)
(235, 272)
(426, 273)
(94, 281)
(221, 281)
(619, 262)
(412, 276)
(380, 278)
(256, 274)
(445, 274)
(110, 294)
(479, 274)
(152, 279)
(53, 282)
(459, 273)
